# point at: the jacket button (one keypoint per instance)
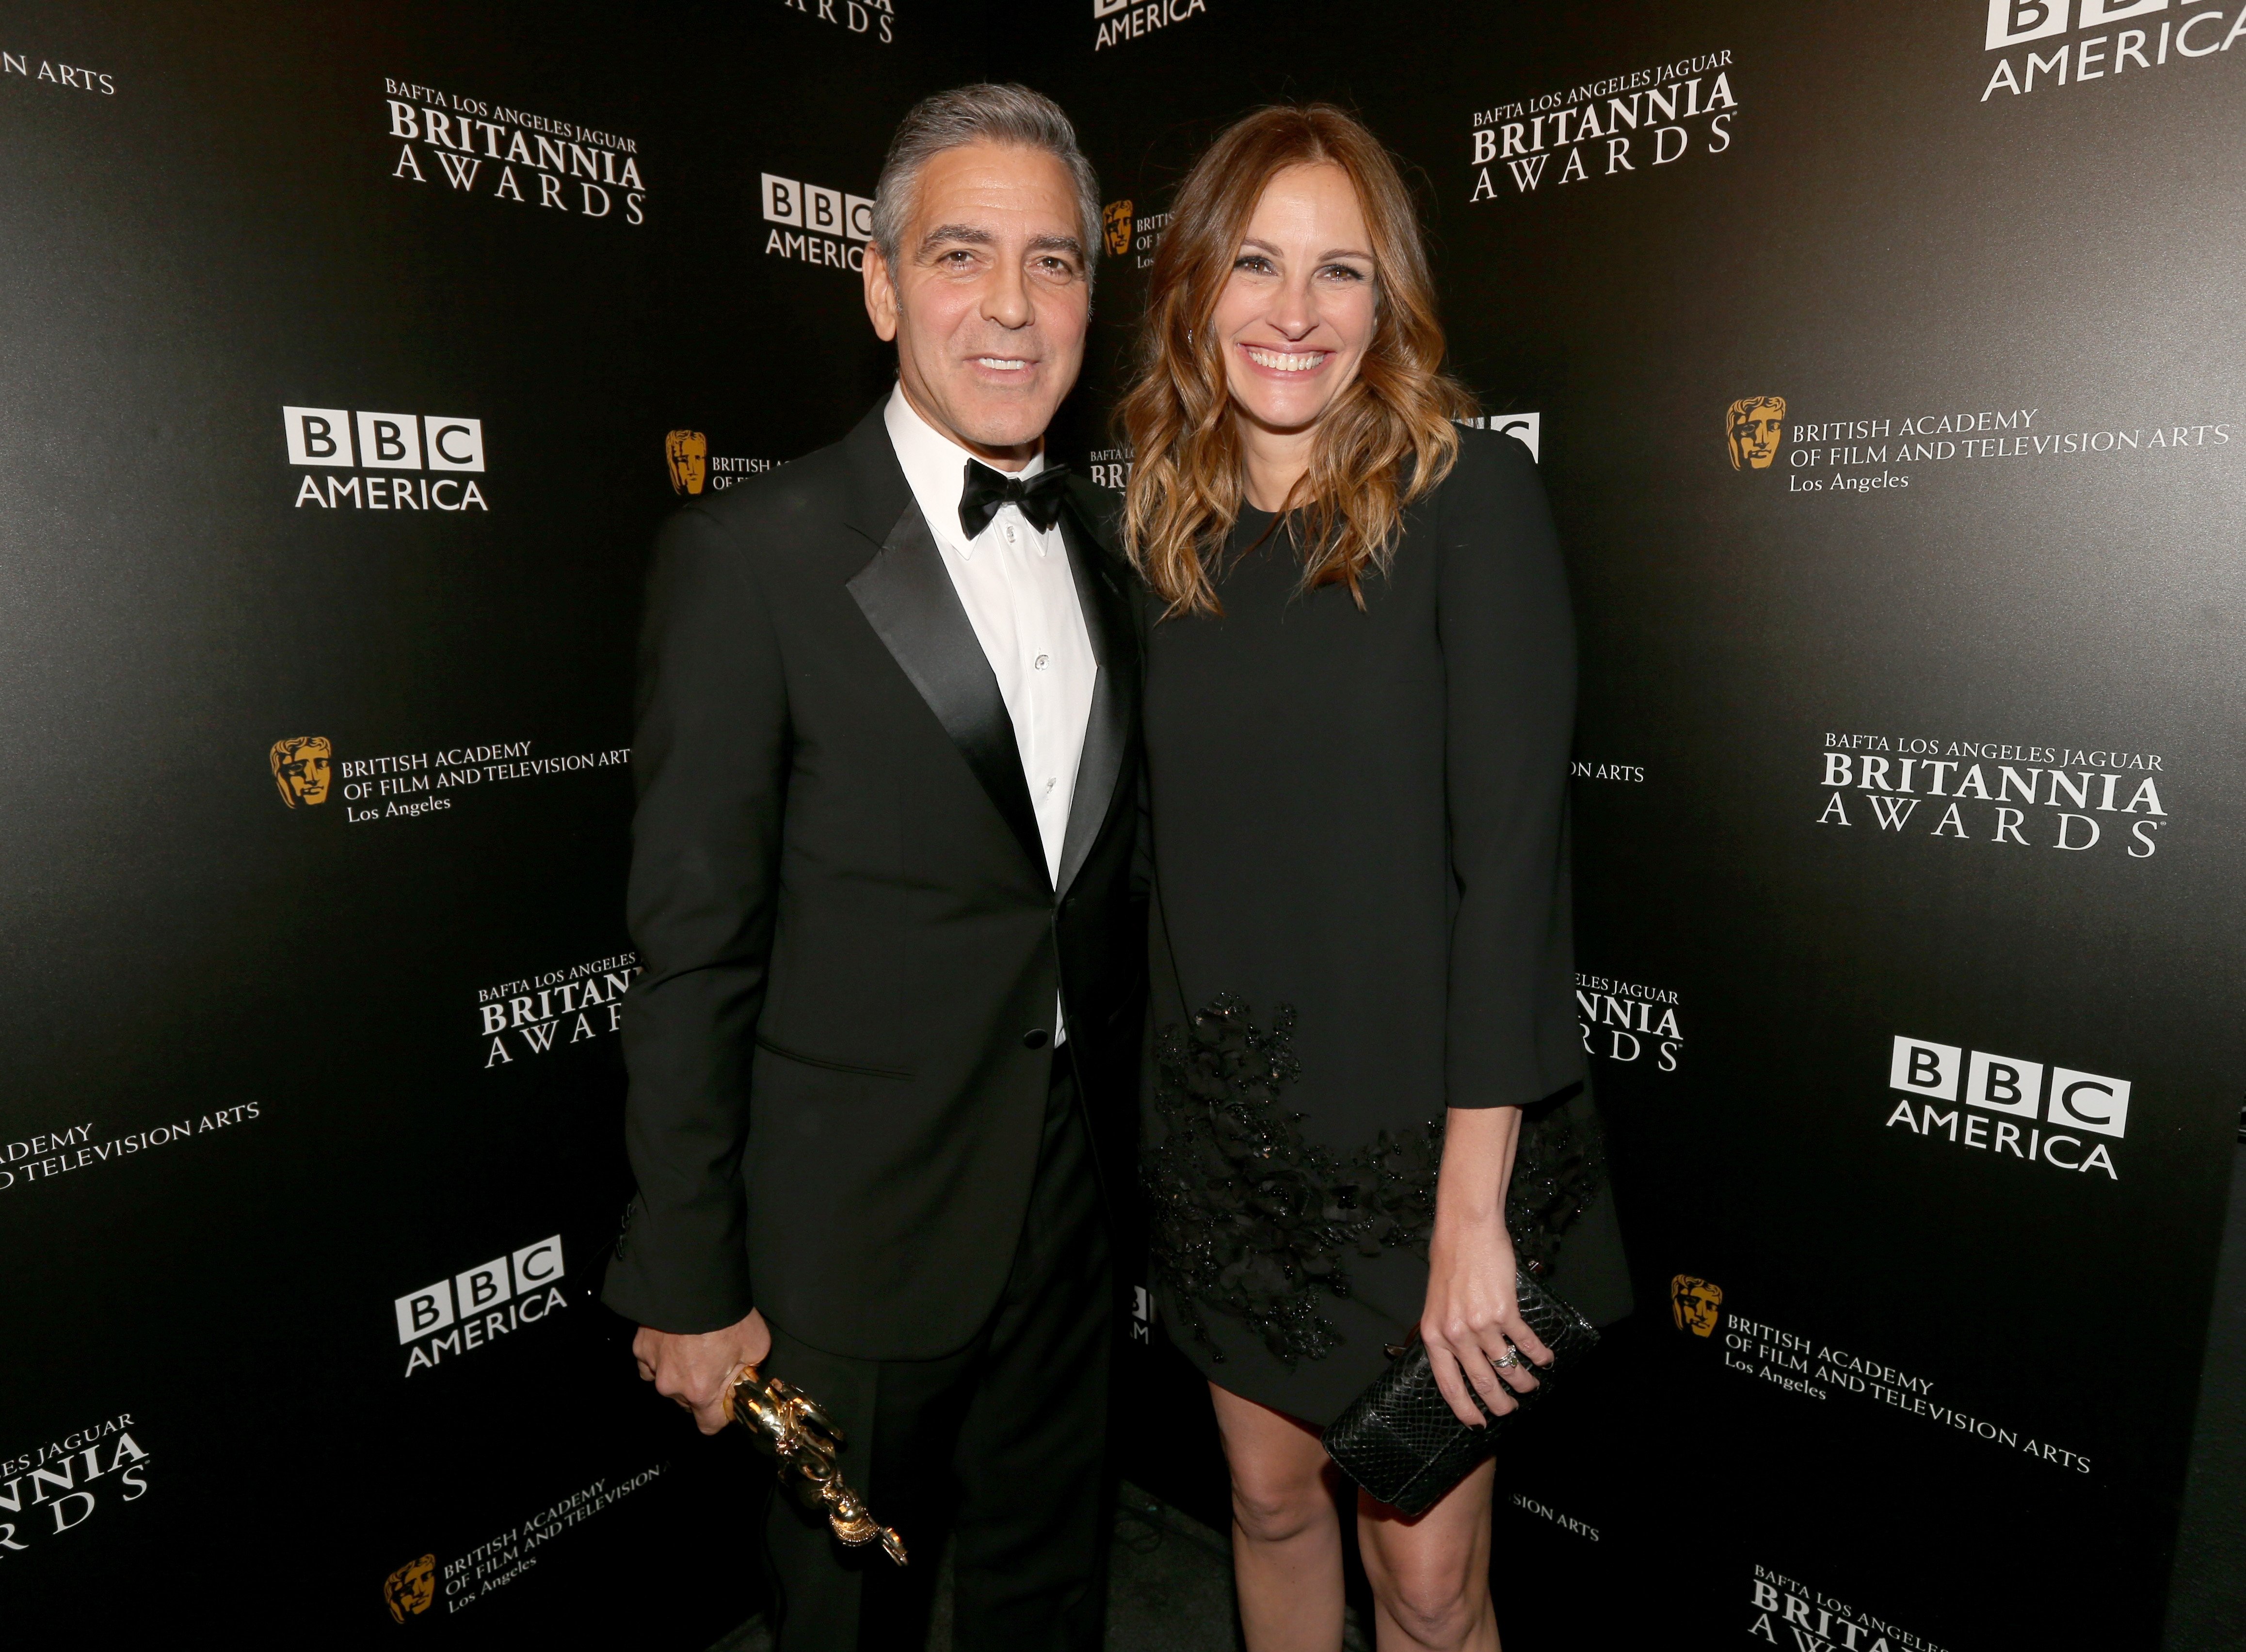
(1035, 1038)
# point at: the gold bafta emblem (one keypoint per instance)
(1117, 220)
(411, 1587)
(1695, 1304)
(302, 768)
(687, 452)
(1754, 427)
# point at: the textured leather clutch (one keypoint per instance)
(1400, 1440)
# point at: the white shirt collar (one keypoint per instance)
(937, 467)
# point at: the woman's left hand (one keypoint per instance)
(1472, 1317)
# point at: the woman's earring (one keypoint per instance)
(1189, 335)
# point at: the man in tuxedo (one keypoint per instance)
(881, 1055)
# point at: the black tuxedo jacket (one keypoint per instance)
(840, 1046)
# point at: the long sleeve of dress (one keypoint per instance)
(1509, 646)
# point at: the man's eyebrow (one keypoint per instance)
(1068, 244)
(967, 233)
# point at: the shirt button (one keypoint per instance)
(1034, 1038)
(1051, 783)
(1010, 533)
(1043, 660)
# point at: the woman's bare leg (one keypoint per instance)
(1430, 1575)
(1286, 1532)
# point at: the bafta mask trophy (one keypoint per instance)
(411, 1587)
(1695, 1304)
(302, 768)
(1115, 222)
(803, 1440)
(1753, 428)
(687, 453)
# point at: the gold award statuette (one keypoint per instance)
(803, 1439)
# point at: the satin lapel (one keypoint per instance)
(1114, 694)
(909, 600)
(878, 489)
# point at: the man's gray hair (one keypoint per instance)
(1011, 115)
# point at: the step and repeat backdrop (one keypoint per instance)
(1884, 366)
(352, 357)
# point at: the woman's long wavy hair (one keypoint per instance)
(1385, 440)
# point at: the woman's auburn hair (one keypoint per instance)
(1384, 441)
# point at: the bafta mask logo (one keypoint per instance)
(302, 769)
(687, 452)
(1116, 218)
(411, 1587)
(1695, 1304)
(1753, 428)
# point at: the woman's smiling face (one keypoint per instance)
(1297, 311)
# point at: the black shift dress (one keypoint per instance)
(1358, 828)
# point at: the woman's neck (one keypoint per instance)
(1274, 462)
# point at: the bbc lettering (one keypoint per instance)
(477, 1289)
(2003, 1084)
(825, 212)
(480, 1304)
(2014, 23)
(1527, 429)
(816, 226)
(2038, 1111)
(386, 441)
(339, 439)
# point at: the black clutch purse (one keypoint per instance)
(1400, 1440)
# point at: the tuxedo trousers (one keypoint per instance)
(1001, 1448)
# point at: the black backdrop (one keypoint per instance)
(277, 1063)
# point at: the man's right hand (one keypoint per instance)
(691, 1370)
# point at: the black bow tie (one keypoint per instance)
(986, 490)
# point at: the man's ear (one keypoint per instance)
(881, 295)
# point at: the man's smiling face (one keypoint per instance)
(989, 299)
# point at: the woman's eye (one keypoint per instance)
(1254, 261)
(1343, 272)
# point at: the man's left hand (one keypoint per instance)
(690, 1368)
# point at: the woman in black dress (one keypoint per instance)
(1367, 1103)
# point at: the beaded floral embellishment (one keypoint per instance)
(1252, 1218)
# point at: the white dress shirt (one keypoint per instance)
(1015, 583)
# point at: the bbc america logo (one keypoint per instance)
(338, 438)
(814, 225)
(2161, 37)
(479, 1305)
(2037, 1114)
(1121, 20)
(1527, 429)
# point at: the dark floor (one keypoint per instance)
(1170, 1588)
